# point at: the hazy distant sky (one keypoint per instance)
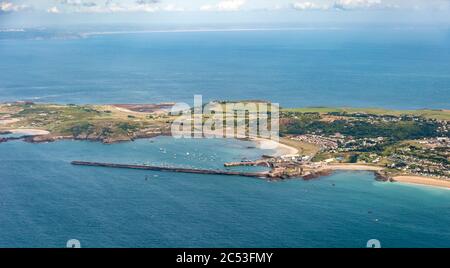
(223, 10)
(114, 6)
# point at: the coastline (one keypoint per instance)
(403, 179)
(39, 135)
(281, 150)
(29, 131)
(423, 181)
(354, 167)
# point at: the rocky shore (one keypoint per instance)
(92, 137)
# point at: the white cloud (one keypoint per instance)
(78, 3)
(53, 10)
(231, 5)
(356, 4)
(117, 6)
(109, 6)
(346, 5)
(112, 6)
(172, 7)
(10, 7)
(226, 5)
(309, 6)
(131, 8)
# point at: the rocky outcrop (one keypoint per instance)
(46, 138)
(98, 138)
(382, 176)
(317, 174)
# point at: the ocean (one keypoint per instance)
(45, 201)
(398, 69)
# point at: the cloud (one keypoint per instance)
(356, 4)
(309, 6)
(109, 6)
(172, 7)
(117, 6)
(231, 5)
(78, 3)
(226, 5)
(11, 7)
(147, 2)
(345, 5)
(53, 10)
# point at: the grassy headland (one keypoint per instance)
(106, 123)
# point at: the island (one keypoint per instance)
(397, 145)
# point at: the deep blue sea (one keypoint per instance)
(399, 69)
(45, 201)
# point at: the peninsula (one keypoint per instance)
(404, 146)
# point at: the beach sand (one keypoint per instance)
(353, 167)
(280, 148)
(8, 121)
(402, 179)
(27, 131)
(423, 181)
(418, 180)
(262, 143)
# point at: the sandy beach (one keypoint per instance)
(280, 148)
(30, 132)
(423, 181)
(418, 180)
(262, 143)
(8, 121)
(353, 167)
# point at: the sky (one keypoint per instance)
(35, 12)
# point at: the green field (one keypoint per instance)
(431, 114)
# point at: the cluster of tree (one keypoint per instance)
(402, 130)
(362, 115)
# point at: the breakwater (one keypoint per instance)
(173, 169)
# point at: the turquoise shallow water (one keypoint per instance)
(44, 201)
